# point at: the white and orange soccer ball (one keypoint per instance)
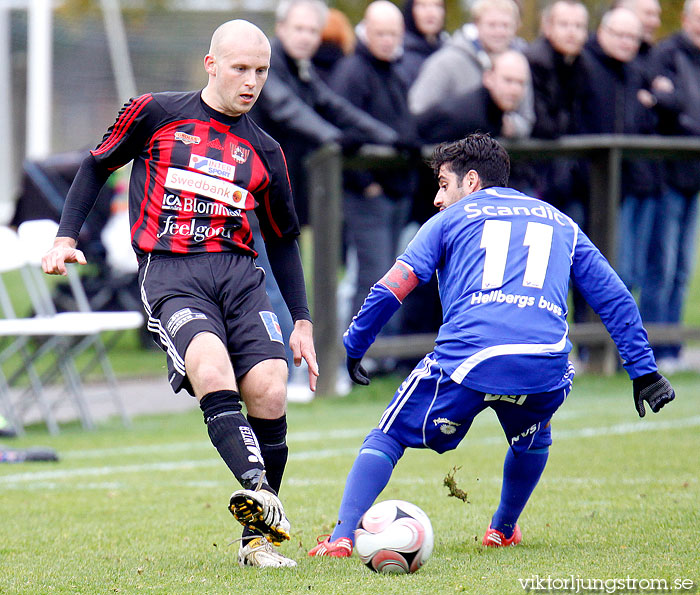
(394, 537)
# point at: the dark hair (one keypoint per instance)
(476, 151)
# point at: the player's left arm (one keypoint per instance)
(285, 262)
(280, 228)
(608, 296)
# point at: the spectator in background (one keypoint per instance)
(649, 14)
(337, 41)
(458, 66)
(425, 33)
(557, 82)
(555, 62)
(558, 79)
(677, 90)
(377, 204)
(484, 109)
(297, 108)
(616, 102)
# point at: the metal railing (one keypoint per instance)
(603, 152)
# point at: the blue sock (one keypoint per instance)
(369, 475)
(520, 476)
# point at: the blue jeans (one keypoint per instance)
(671, 260)
(634, 231)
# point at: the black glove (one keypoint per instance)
(654, 389)
(357, 373)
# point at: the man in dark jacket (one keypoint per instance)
(557, 81)
(483, 109)
(377, 204)
(677, 89)
(297, 108)
(616, 102)
(555, 63)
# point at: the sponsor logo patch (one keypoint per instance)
(221, 190)
(190, 204)
(213, 167)
(515, 399)
(446, 426)
(188, 139)
(272, 326)
(193, 229)
(180, 319)
(215, 144)
(529, 432)
(251, 444)
(239, 154)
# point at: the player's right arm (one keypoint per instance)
(81, 198)
(121, 143)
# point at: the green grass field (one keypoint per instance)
(144, 510)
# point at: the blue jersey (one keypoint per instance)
(504, 261)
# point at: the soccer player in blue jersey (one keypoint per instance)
(504, 261)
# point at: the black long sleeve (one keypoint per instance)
(82, 196)
(285, 262)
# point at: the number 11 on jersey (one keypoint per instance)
(495, 240)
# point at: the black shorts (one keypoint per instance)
(221, 293)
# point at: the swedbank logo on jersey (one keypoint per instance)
(221, 190)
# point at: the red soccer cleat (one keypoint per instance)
(494, 538)
(340, 548)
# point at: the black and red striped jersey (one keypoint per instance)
(196, 174)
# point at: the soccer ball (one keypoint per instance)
(394, 537)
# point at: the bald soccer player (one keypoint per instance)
(200, 165)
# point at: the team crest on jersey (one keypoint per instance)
(239, 154)
(446, 426)
(272, 326)
(188, 139)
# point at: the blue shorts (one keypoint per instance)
(430, 410)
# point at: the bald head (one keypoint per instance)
(384, 27)
(507, 79)
(236, 29)
(620, 34)
(237, 65)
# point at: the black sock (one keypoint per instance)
(272, 435)
(233, 437)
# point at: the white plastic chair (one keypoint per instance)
(82, 328)
(17, 333)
